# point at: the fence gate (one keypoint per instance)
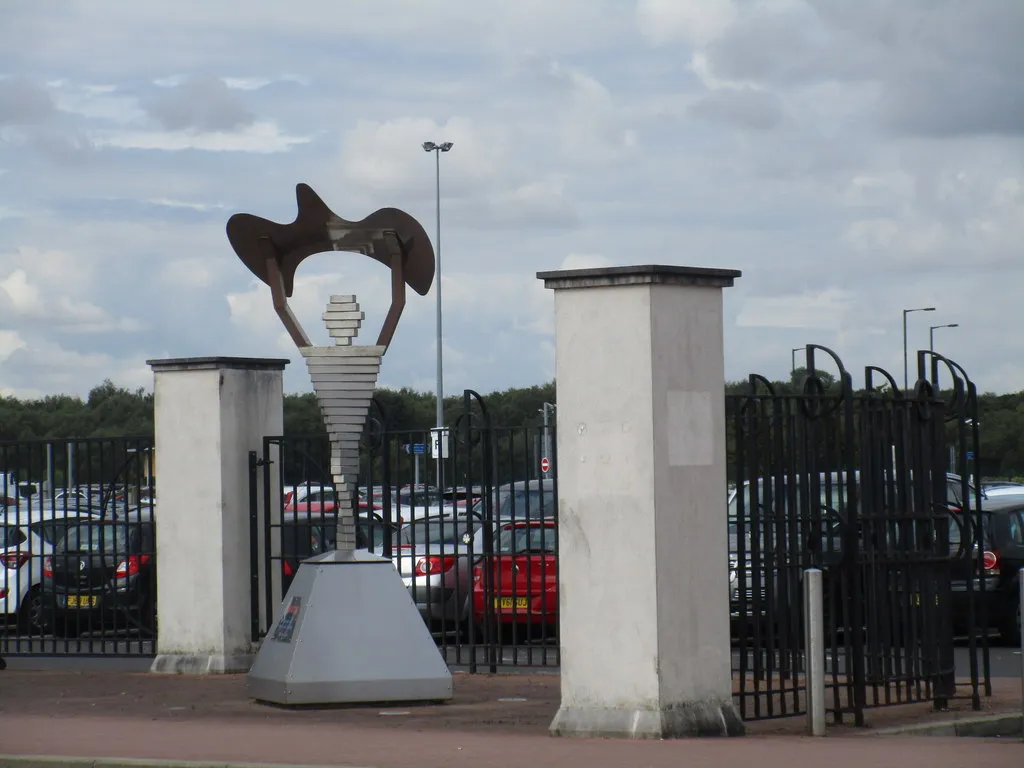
(474, 534)
(69, 506)
(856, 484)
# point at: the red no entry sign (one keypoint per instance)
(545, 465)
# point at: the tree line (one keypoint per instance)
(111, 411)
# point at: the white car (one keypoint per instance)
(27, 537)
(1004, 489)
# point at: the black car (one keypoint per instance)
(784, 548)
(1000, 562)
(102, 577)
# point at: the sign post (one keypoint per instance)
(439, 452)
(545, 463)
(417, 450)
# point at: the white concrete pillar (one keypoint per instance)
(209, 413)
(643, 554)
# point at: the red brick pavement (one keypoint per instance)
(104, 714)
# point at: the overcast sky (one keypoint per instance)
(851, 158)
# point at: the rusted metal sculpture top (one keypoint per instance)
(273, 252)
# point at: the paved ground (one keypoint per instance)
(493, 721)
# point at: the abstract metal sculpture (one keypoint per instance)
(344, 376)
(320, 650)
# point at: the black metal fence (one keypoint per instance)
(472, 534)
(858, 485)
(77, 547)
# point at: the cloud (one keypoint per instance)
(205, 104)
(933, 67)
(582, 115)
(185, 204)
(10, 341)
(746, 108)
(584, 261)
(387, 157)
(26, 302)
(42, 368)
(258, 138)
(824, 310)
(23, 102)
(258, 83)
(848, 157)
(695, 21)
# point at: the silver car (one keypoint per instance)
(435, 557)
(522, 500)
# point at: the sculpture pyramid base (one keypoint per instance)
(349, 633)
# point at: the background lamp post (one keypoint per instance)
(906, 383)
(931, 333)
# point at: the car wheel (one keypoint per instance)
(32, 613)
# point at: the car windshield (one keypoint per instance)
(831, 495)
(419, 499)
(527, 503)
(52, 531)
(97, 537)
(426, 532)
(527, 540)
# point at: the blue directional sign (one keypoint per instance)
(419, 447)
(970, 455)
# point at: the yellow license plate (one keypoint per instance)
(506, 603)
(81, 601)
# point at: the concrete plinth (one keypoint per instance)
(209, 412)
(643, 553)
(349, 633)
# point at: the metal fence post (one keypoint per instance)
(814, 651)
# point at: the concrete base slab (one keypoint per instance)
(349, 632)
(201, 663)
(685, 721)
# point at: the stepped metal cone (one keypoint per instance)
(348, 631)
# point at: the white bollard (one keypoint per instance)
(814, 651)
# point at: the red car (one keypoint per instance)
(524, 577)
(320, 502)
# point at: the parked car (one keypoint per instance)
(305, 535)
(435, 557)
(1004, 489)
(418, 503)
(774, 588)
(1002, 557)
(521, 578)
(102, 576)
(521, 500)
(27, 537)
(321, 501)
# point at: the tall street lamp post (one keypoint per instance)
(437, 149)
(931, 333)
(906, 382)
